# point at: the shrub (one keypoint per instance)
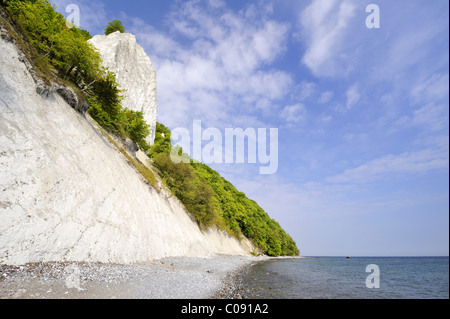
(195, 194)
(114, 26)
(162, 142)
(100, 115)
(135, 126)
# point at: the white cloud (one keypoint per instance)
(225, 61)
(323, 24)
(326, 97)
(410, 48)
(430, 117)
(326, 119)
(408, 44)
(217, 3)
(306, 90)
(417, 162)
(353, 96)
(434, 117)
(294, 114)
(432, 88)
(431, 94)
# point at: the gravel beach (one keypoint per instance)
(213, 277)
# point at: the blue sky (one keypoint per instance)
(363, 114)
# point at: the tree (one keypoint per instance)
(114, 26)
(136, 127)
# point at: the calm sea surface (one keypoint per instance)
(341, 278)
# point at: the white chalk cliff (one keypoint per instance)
(135, 74)
(67, 194)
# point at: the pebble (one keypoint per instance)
(171, 278)
(19, 294)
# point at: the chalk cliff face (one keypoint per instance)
(67, 194)
(134, 72)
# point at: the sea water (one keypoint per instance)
(343, 278)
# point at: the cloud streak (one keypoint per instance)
(419, 162)
(324, 24)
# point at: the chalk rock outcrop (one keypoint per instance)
(67, 194)
(122, 55)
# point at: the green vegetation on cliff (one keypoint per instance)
(214, 201)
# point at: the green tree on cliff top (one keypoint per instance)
(114, 26)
